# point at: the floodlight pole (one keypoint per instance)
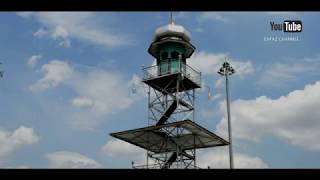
(227, 70)
(229, 122)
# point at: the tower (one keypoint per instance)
(172, 135)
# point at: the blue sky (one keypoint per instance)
(68, 79)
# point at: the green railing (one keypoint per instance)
(164, 69)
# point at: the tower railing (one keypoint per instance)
(165, 69)
(159, 166)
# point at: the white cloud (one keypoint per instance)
(120, 149)
(83, 26)
(219, 83)
(60, 32)
(207, 113)
(212, 16)
(215, 97)
(65, 43)
(138, 88)
(210, 63)
(100, 93)
(280, 12)
(284, 14)
(18, 167)
(105, 89)
(40, 32)
(280, 74)
(23, 167)
(82, 102)
(219, 158)
(10, 141)
(180, 15)
(25, 14)
(33, 60)
(65, 159)
(55, 72)
(293, 117)
(199, 30)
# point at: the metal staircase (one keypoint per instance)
(166, 115)
(169, 162)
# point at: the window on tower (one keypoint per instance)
(174, 54)
(174, 64)
(164, 55)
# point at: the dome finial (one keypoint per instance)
(171, 18)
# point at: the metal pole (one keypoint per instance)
(177, 92)
(194, 120)
(229, 120)
(148, 113)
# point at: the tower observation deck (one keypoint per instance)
(172, 135)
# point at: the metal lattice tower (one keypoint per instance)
(172, 135)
